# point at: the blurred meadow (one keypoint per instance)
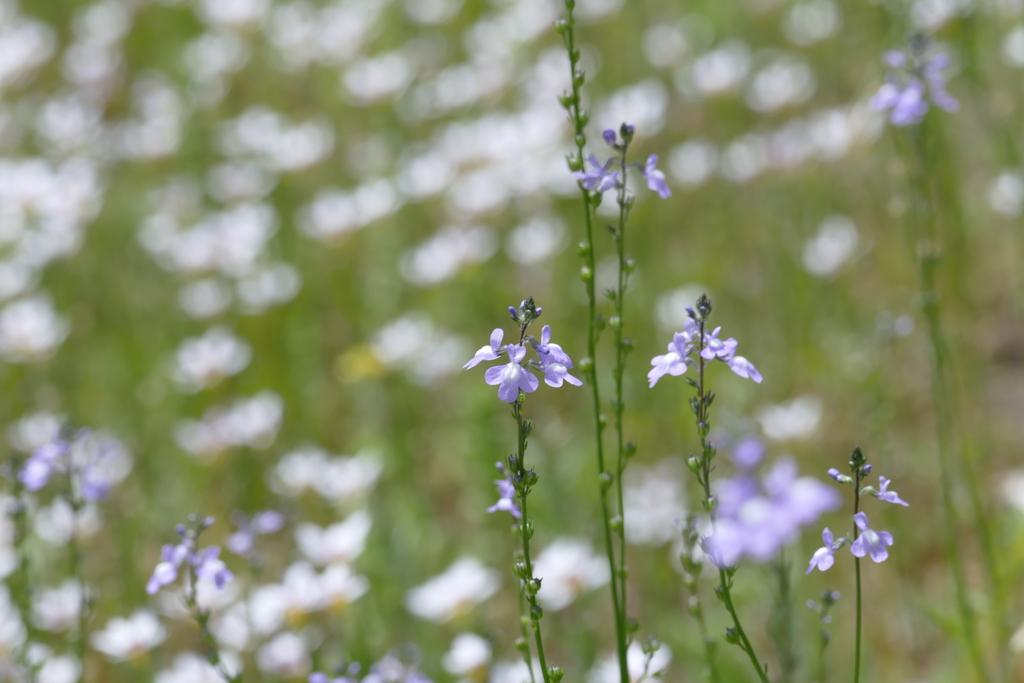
(254, 241)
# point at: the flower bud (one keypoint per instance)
(536, 613)
(629, 450)
(574, 162)
(616, 524)
(522, 645)
(556, 674)
(694, 463)
(581, 140)
(586, 274)
(732, 636)
(561, 26)
(866, 470)
(605, 479)
(615, 322)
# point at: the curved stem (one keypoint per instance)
(579, 118)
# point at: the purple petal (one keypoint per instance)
(861, 520)
(827, 537)
(879, 553)
(494, 375)
(859, 547)
(609, 137)
(885, 537)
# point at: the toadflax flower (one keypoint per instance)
(603, 177)
(599, 178)
(93, 461)
(517, 374)
(677, 359)
(655, 178)
(507, 494)
(243, 541)
(683, 345)
(823, 557)
(888, 496)
(870, 542)
(913, 82)
(206, 563)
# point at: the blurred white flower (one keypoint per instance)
(239, 182)
(267, 287)
(34, 430)
(744, 159)
(397, 346)
(263, 135)
(25, 45)
(449, 251)
(132, 638)
(334, 213)
(1013, 47)
(205, 298)
(252, 422)
(811, 21)
(12, 630)
(189, 667)
(514, 671)
(465, 584)
(379, 78)
(665, 45)
(536, 240)
(56, 609)
(670, 309)
(202, 362)
(157, 132)
(644, 104)
(56, 523)
(931, 15)
(784, 82)
(341, 542)
(693, 162)
(791, 421)
(835, 244)
(337, 479)
(1012, 485)
(569, 567)
(341, 586)
(232, 13)
(469, 655)
(286, 655)
(1006, 194)
(30, 330)
(717, 71)
(655, 502)
(432, 12)
(59, 669)
(608, 670)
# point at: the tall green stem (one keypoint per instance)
(928, 253)
(202, 618)
(75, 569)
(856, 562)
(703, 414)
(579, 119)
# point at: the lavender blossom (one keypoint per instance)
(680, 351)
(554, 362)
(823, 557)
(491, 352)
(512, 377)
(93, 462)
(655, 178)
(243, 541)
(717, 348)
(599, 178)
(206, 563)
(44, 461)
(911, 84)
(888, 496)
(507, 494)
(870, 542)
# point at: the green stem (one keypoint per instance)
(202, 618)
(620, 369)
(705, 636)
(21, 585)
(75, 568)
(707, 454)
(579, 118)
(523, 619)
(928, 254)
(856, 562)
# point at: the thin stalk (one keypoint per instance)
(724, 590)
(525, 532)
(928, 255)
(523, 619)
(621, 352)
(579, 119)
(705, 636)
(856, 562)
(21, 586)
(75, 569)
(202, 618)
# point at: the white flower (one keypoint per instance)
(339, 479)
(30, 330)
(342, 542)
(567, 568)
(791, 421)
(341, 587)
(12, 630)
(468, 654)
(202, 362)
(59, 669)
(515, 671)
(608, 670)
(189, 668)
(57, 523)
(56, 609)
(463, 585)
(835, 244)
(285, 656)
(655, 501)
(252, 422)
(130, 638)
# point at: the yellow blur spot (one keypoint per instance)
(357, 364)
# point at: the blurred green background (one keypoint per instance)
(412, 166)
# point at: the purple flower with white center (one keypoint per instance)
(655, 178)
(718, 348)
(512, 377)
(491, 352)
(243, 541)
(211, 568)
(672, 363)
(206, 563)
(870, 542)
(554, 362)
(599, 178)
(823, 557)
(912, 83)
(889, 496)
(45, 461)
(744, 368)
(507, 493)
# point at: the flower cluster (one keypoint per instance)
(708, 346)
(603, 177)
(516, 376)
(93, 462)
(757, 518)
(866, 540)
(205, 563)
(243, 541)
(913, 81)
(395, 667)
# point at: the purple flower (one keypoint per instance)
(491, 352)
(672, 363)
(655, 178)
(554, 362)
(44, 462)
(715, 347)
(165, 574)
(512, 377)
(870, 542)
(748, 453)
(507, 493)
(206, 563)
(243, 541)
(744, 368)
(823, 557)
(599, 178)
(210, 568)
(911, 85)
(610, 138)
(889, 496)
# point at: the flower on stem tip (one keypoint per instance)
(913, 82)
(870, 542)
(491, 352)
(655, 178)
(206, 563)
(888, 496)
(682, 346)
(823, 557)
(600, 178)
(512, 376)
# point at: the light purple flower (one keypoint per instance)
(165, 574)
(672, 363)
(206, 563)
(715, 347)
(599, 178)
(490, 352)
(243, 541)
(554, 362)
(870, 542)
(44, 462)
(911, 85)
(823, 557)
(610, 138)
(211, 568)
(655, 178)
(889, 496)
(748, 453)
(506, 501)
(744, 368)
(512, 377)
